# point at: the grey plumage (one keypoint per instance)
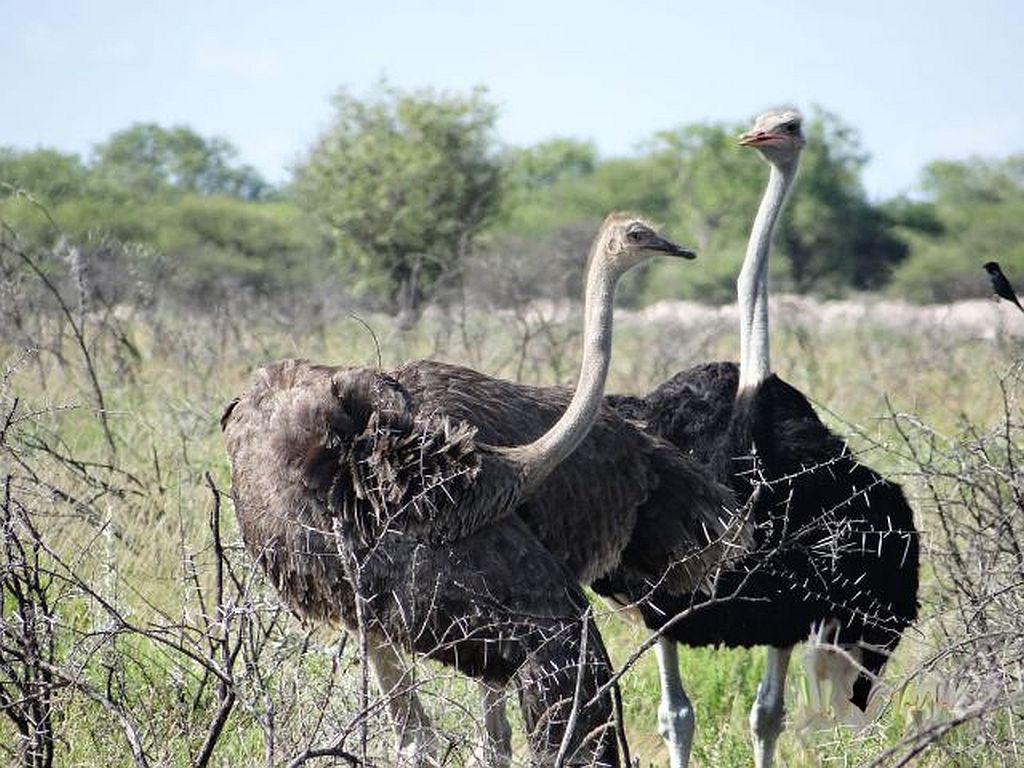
(622, 497)
(305, 436)
(350, 480)
(443, 600)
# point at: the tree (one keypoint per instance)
(542, 165)
(974, 182)
(406, 181)
(43, 173)
(148, 160)
(832, 236)
(973, 212)
(715, 187)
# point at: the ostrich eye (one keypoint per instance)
(789, 127)
(636, 235)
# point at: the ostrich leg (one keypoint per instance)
(496, 751)
(416, 740)
(769, 711)
(676, 720)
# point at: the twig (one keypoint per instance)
(79, 339)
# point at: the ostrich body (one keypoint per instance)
(378, 516)
(622, 497)
(835, 544)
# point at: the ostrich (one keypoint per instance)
(367, 514)
(841, 539)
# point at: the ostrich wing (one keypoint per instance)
(622, 496)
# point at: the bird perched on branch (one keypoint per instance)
(1000, 284)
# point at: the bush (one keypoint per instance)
(973, 484)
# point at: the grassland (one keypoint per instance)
(158, 657)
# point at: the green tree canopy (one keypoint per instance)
(542, 165)
(711, 188)
(832, 237)
(406, 180)
(699, 183)
(45, 173)
(974, 182)
(976, 208)
(178, 196)
(148, 160)
(714, 185)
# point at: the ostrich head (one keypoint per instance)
(992, 267)
(777, 135)
(626, 240)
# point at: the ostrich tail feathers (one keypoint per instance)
(832, 671)
(347, 440)
(403, 474)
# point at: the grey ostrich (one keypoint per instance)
(370, 510)
(841, 539)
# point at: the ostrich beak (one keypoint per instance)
(661, 245)
(757, 138)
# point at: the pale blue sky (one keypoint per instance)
(919, 80)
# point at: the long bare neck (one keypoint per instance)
(752, 284)
(541, 456)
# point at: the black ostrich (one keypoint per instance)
(836, 548)
(372, 505)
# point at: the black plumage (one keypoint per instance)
(834, 540)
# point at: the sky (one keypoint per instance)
(919, 81)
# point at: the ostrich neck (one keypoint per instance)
(752, 284)
(539, 458)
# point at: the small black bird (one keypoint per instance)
(1000, 284)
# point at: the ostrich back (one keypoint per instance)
(833, 538)
(622, 497)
